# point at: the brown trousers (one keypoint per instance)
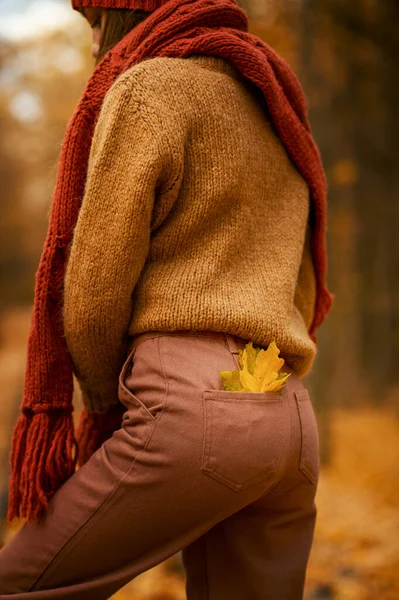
(227, 477)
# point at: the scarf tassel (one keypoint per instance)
(42, 459)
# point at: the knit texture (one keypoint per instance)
(44, 446)
(192, 204)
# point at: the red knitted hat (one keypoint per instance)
(147, 5)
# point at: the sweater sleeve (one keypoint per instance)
(110, 244)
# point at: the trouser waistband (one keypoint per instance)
(234, 342)
(230, 338)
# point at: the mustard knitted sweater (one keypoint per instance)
(193, 217)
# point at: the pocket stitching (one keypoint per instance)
(225, 396)
(207, 396)
(304, 395)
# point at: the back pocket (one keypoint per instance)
(243, 436)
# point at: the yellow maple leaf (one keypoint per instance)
(259, 371)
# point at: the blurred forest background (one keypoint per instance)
(347, 57)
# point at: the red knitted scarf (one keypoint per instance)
(44, 446)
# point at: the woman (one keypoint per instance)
(188, 220)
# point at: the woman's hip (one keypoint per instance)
(172, 381)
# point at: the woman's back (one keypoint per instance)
(212, 216)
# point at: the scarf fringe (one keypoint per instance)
(42, 459)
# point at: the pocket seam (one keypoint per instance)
(300, 396)
(225, 396)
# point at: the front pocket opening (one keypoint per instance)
(124, 390)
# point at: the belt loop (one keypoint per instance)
(231, 343)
